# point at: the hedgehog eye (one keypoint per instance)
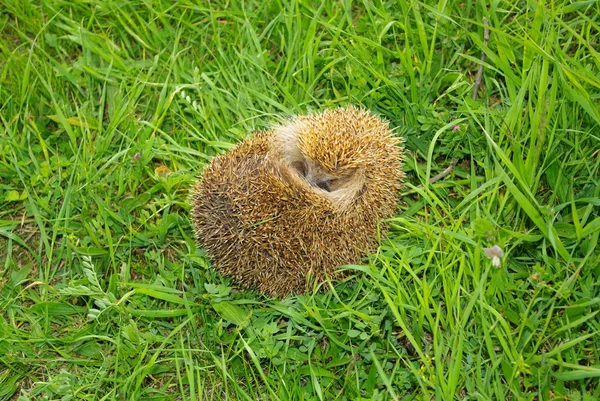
(301, 167)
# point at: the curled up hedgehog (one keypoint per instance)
(287, 207)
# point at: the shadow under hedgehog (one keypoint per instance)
(285, 208)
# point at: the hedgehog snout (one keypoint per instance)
(314, 175)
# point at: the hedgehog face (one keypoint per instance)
(317, 176)
(337, 173)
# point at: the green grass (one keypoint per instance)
(104, 295)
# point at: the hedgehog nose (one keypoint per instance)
(324, 185)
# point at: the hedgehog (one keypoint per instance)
(284, 209)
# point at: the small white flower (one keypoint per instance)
(494, 253)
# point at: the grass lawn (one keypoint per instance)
(110, 109)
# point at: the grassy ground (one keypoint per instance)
(104, 296)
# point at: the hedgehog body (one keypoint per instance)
(289, 206)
